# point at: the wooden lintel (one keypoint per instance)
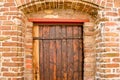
(53, 20)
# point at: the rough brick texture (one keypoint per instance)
(101, 39)
(89, 51)
(108, 43)
(11, 41)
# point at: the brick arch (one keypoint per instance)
(90, 7)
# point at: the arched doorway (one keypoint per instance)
(69, 10)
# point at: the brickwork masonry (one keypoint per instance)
(101, 40)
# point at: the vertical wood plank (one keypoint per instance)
(64, 55)
(41, 52)
(46, 52)
(70, 53)
(58, 48)
(76, 52)
(36, 54)
(52, 54)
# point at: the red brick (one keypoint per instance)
(12, 74)
(9, 4)
(4, 9)
(109, 5)
(112, 14)
(13, 9)
(3, 17)
(15, 33)
(10, 44)
(18, 59)
(8, 23)
(5, 27)
(111, 75)
(111, 44)
(113, 34)
(4, 69)
(28, 66)
(110, 23)
(116, 60)
(107, 49)
(10, 54)
(6, 49)
(110, 55)
(8, 64)
(111, 65)
(28, 46)
(11, 13)
(28, 61)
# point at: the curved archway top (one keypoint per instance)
(87, 6)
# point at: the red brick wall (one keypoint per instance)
(107, 38)
(11, 41)
(102, 51)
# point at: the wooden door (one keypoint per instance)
(60, 52)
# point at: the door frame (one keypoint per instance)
(36, 22)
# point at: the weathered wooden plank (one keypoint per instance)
(52, 54)
(46, 52)
(36, 67)
(64, 55)
(41, 53)
(54, 60)
(70, 53)
(51, 60)
(76, 52)
(59, 56)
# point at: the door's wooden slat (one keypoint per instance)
(51, 60)
(41, 53)
(58, 48)
(52, 54)
(70, 53)
(46, 52)
(43, 47)
(76, 53)
(64, 55)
